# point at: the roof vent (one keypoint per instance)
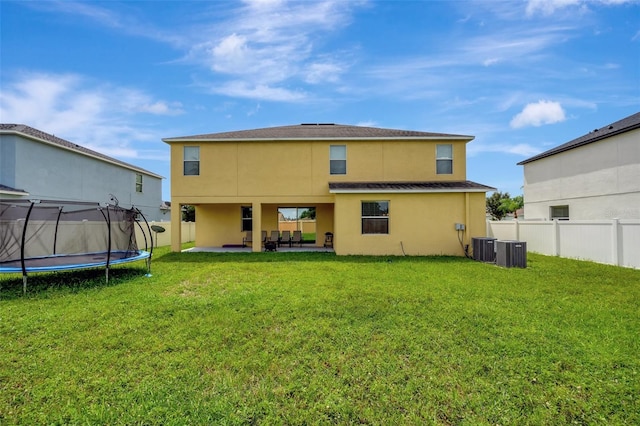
(610, 127)
(317, 124)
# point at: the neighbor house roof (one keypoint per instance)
(622, 126)
(317, 131)
(404, 187)
(38, 135)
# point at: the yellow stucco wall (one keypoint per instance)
(418, 225)
(218, 224)
(296, 173)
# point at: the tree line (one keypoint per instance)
(499, 204)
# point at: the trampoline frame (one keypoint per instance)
(108, 257)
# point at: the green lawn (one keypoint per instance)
(311, 338)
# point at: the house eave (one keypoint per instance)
(9, 192)
(354, 139)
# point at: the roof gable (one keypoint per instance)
(320, 131)
(621, 126)
(41, 136)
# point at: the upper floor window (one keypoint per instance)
(559, 212)
(444, 159)
(338, 159)
(191, 160)
(138, 182)
(375, 217)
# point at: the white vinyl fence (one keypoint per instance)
(614, 242)
(164, 238)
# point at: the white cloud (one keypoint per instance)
(94, 115)
(243, 89)
(323, 72)
(123, 23)
(537, 114)
(161, 108)
(490, 61)
(230, 55)
(548, 7)
(270, 46)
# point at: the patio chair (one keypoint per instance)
(274, 237)
(264, 237)
(248, 238)
(286, 238)
(297, 238)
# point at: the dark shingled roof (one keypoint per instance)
(622, 126)
(430, 186)
(316, 131)
(38, 134)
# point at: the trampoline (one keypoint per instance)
(49, 236)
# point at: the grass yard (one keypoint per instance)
(311, 338)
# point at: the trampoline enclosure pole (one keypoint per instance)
(55, 234)
(24, 238)
(107, 219)
(145, 240)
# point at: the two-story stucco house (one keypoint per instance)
(379, 191)
(595, 176)
(38, 165)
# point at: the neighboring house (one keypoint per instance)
(596, 176)
(37, 165)
(379, 191)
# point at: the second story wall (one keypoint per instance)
(607, 167)
(52, 173)
(302, 168)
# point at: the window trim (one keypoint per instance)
(364, 218)
(441, 158)
(190, 162)
(332, 159)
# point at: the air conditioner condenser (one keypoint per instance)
(511, 254)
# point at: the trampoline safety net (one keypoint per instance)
(55, 234)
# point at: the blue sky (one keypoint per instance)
(520, 76)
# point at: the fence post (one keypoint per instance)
(615, 256)
(555, 239)
(517, 230)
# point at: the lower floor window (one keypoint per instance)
(247, 219)
(375, 217)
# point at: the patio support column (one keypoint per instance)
(176, 227)
(256, 225)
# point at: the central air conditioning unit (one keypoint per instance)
(511, 254)
(484, 249)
